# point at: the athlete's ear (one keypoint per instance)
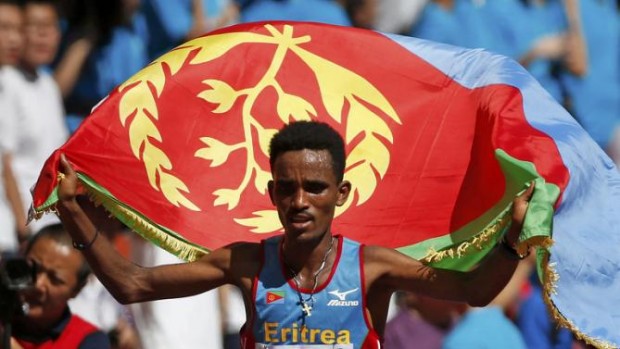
(344, 188)
(270, 188)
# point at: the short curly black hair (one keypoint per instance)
(313, 135)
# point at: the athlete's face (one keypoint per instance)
(306, 192)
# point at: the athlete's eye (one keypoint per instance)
(315, 187)
(284, 188)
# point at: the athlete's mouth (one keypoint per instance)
(300, 219)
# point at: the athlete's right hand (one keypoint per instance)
(68, 181)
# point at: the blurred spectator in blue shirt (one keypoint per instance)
(532, 32)
(362, 13)
(454, 22)
(541, 40)
(171, 23)
(324, 11)
(595, 96)
(486, 327)
(535, 322)
(103, 46)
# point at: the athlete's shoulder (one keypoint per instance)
(236, 256)
(386, 258)
(239, 250)
(378, 253)
(237, 263)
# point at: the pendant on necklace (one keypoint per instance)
(306, 308)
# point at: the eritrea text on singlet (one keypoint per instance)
(337, 319)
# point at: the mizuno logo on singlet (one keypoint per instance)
(342, 299)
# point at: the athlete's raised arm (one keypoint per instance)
(389, 270)
(129, 282)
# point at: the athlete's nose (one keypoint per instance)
(300, 199)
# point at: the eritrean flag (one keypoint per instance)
(439, 141)
(275, 297)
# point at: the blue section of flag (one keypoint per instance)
(586, 225)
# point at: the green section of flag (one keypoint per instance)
(538, 221)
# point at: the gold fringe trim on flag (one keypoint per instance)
(478, 241)
(190, 252)
(550, 280)
(144, 228)
(550, 277)
(482, 240)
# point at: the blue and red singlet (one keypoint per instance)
(337, 320)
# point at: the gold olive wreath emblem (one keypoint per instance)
(367, 162)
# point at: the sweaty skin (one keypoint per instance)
(305, 192)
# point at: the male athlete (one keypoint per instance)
(307, 288)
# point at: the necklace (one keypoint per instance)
(307, 303)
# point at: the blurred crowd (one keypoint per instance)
(59, 58)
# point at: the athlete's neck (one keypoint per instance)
(305, 258)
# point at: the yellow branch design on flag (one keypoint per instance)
(368, 160)
(138, 108)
